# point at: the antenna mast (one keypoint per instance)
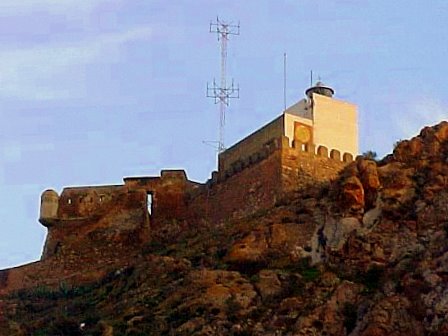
(223, 93)
(284, 81)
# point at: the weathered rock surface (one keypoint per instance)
(364, 255)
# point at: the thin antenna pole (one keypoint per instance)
(222, 103)
(311, 78)
(223, 93)
(284, 81)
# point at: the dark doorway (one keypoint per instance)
(149, 201)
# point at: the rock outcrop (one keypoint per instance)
(363, 255)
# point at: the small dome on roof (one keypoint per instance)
(320, 88)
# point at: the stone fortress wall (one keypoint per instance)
(85, 203)
(79, 207)
(253, 175)
(169, 194)
(249, 185)
(261, 180)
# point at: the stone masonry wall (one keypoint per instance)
(252, 188)
(252, 185)
(169, 192)
(96, 226)
(122, 215)
(85, 202)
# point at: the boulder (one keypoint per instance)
(250, 249)
(336, 232)
(268, 284)
(389, 316)
(352, 194)
(370, 181)
(222, 290)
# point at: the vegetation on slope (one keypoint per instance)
(366, 254)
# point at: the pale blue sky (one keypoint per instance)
(94, 90)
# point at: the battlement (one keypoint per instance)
(299, 149)
(254, 182)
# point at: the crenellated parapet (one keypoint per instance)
(305, 150)
(318, 151)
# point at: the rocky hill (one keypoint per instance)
(365, 254)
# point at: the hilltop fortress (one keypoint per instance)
(310, 141)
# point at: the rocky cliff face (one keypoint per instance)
(365, 254)
(391, 220)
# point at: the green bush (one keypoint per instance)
(310, 274)
(370, 155)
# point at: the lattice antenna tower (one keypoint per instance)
(224, 92)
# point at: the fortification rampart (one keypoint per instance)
(81, 204)
(73, 270)
(244, 191)
(164, 195)
(104, 223)
(254, 182)
(86, 202)
(89, 223)
(259, 180)
(85, 209)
